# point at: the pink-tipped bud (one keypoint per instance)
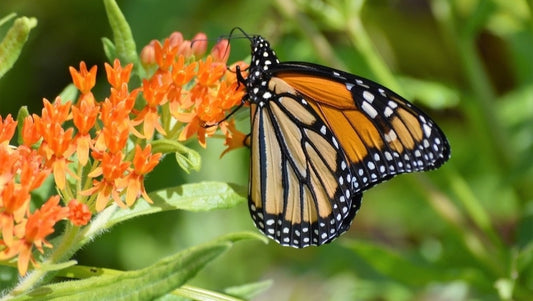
(199, 44)
(175, 39)
(220, 51)
(148, 54)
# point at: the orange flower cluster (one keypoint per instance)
(199, 93)
(24, 169)
(111, 139)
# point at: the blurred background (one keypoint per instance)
(462, 232)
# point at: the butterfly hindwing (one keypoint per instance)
(298, 196)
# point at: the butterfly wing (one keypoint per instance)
(381, 133)
(300, 190)
(320, 137)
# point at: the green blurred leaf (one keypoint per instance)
(200, 294)
(201, 196)
(123, 38)
(246, 235)
(432, 94)
(156, 280)
(58, 266)
(7, 18)
(249, 290)
(12, 44)
(22, 113)
(69, 93)
(109, 49)
(394, 265)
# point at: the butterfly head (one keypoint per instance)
(259, 75)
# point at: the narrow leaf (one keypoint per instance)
(432, 94)
(12, 44)
(145, 284)
(122, 37)
(201, 196)
(69, 93)
(109, 49)
(250, 290)
(393, 265)
(22, 113)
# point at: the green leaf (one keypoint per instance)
(22, 113)
(393, 265)
(145, 284)
(199, 294)
(7, 18)
(109, 49)
(187, 158)
(58, 266)
(432, 94)
(201, 196)
(12, 44)
(122, 37)
(69, 93)
(246, 235)
(249, 290)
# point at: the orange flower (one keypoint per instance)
(235, 139)
(83, 80)
(112, 169)
(209, 72)
(143, 162)
(84, 116)
(154, 92)
(31, 167)
(117, 75)
(79, 213)
(30, 135)
(57, 147)
(15, 203)
(7, 128)
(37, 227)
(165, 54)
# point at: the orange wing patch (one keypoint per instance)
(356, 131)
(320, 89)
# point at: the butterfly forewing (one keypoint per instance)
(381, 133)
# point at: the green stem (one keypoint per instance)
(450, 213)
(68, 245)
(361, 40)
(70, 242)
(485, 99)
(308, 27)
(473, 206)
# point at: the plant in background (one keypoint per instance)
(98, 152)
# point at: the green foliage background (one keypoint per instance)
(463, 232)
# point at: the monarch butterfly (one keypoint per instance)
(319, 138)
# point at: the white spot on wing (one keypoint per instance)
(369, 109)
(368, 96)
(427, 130)
(391, 136)
(388, 112)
